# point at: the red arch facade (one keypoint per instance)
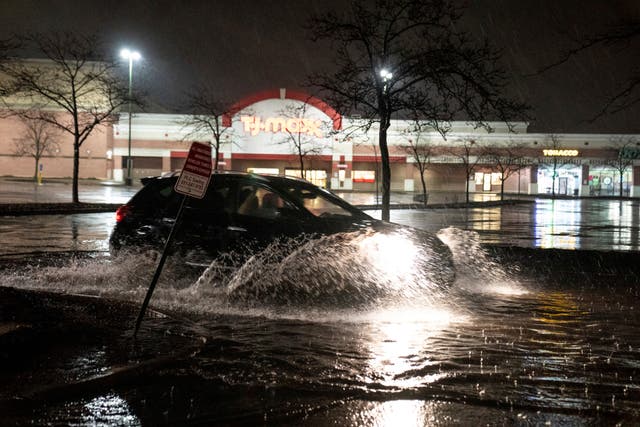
(284, 94)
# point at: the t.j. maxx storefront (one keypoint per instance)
(273, 131)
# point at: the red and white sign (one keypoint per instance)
(196, 172)
(254, 125)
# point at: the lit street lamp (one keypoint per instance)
(131, 56)
(386, 76)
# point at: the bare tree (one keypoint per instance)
(409, 56)
(421, 153)
(37, 139)
(301, 133)
(507, 160)
(470, 154)
(74, 89)
(627, 148)
(206, 121)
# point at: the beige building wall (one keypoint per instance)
(94, 162)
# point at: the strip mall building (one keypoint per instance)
(263, 130)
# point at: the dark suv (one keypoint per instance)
(240, 210)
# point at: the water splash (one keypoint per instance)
(476, 271)
(346, 275)
(358, 269)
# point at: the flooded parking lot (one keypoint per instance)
(541, 223)
(522, 336)
(516, 339)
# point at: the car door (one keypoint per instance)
(205, 222)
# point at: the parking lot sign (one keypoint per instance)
(196, 172)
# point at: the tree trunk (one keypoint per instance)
(621, 177)
(35, 173)
(553, 181)
(301, 157)
(76, 171)
(386, 169)
(467, 187)
(424, 187)
(216, 149)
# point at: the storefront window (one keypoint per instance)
(479, 177)
(316, 177)
(605, 181)
(495, 178)
(265, 171)
(364, 176)
(487, 180)
(566, 182)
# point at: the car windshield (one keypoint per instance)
(319, 202)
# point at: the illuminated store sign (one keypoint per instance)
(560, 153)
(254, 125)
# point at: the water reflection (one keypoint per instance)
(409, 413)
(623, 216)
(40, 233)
(110, 409)
(397, 345)
(487, 219)
(557, 224)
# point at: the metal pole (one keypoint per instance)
(129, 160)
(163, 258)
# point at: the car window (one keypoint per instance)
(317, 202)
(323, 207)
(260, 201)
(157, 191)
(158, 198)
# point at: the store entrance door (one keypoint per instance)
(486, 182)
(562, 186)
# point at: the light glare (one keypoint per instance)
(129, 54)
(393, 254)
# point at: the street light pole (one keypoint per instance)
(131, 56)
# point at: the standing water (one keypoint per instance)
(339, 330)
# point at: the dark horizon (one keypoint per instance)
(251, 46)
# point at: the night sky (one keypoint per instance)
(244, 46)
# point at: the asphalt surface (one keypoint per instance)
(24, 197)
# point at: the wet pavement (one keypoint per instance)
(589, 223)
(523, 336)
(89, 191)
(14, 190)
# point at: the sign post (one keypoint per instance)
(193, 182)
